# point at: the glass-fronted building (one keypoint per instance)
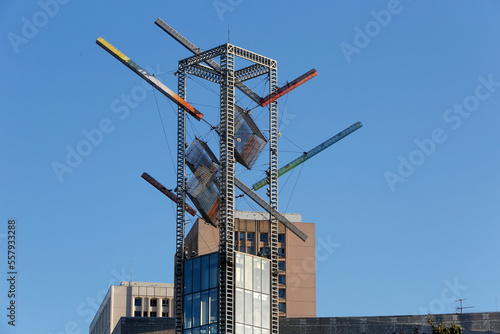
(252, 294)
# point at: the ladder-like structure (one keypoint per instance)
(229, 79)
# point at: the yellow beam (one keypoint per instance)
(149, 78)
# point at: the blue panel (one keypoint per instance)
(196, 274)
(188, 277)
(214, 271)
(196, 309)
(205, 272)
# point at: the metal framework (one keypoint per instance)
(225, 75)
(203, 65)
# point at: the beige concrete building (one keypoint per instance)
(133, 299)
(297, 259)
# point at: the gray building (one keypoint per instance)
(472, 323)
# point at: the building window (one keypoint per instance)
(281, 265)
(164, 302)
(282, 293)
(281, 238)
(281, 252)
(242, 249)
(138, 302)
(263, 237)
(282, 307)
(250, 236)
(251, 250)
(153, 302)
(164, 314)
(264, 251)
(281, 279)
(153, 314)
(137, 313)
(145, 314)
(242, 236)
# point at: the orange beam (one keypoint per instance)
(149, 78)
(288, 87)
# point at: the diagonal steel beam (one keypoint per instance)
(210, 62)
(263, 204)
(149, 78)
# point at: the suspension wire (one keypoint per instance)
(300, 148)
(164, 132)
(287, 179)
(293, 190)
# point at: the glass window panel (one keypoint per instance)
(248, 272)
(281, 279)
(205, 272)
(282, 293)
(204, 308)
(248, 307)
(281, 265)
(196, 274)
(196, 309)
(257, 274)
(213, 329)
(213, 306)
(188, 311)
(282, 307)
(257, 309)
(281, 238)
(266, 312)
(240, 305)
(248, 329)
(266, 276)
(242, 249)
(240, 329)
(250, 236)
(251, 250)
(263, 237)
(204, 330)
(196, 330)
(242, 236)
(187, 331)
(188, 277)
(214, 271)
(240, 270)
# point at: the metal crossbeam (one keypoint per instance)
(149, 78)
(210, 62)
(250, 72)
(166, 191)
(204, 72)
(263, 204)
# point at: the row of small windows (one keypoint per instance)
(264, 251)
(152, 302)
(149, 314)
(250, 236)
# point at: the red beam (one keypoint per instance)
(288, 87)
(166, 192)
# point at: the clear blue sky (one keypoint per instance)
(406, 209)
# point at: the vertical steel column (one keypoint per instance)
(273, 198)
(181, 200)
(226, 218)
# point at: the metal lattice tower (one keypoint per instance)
(228, 79)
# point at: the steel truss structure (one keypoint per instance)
(229, 79)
